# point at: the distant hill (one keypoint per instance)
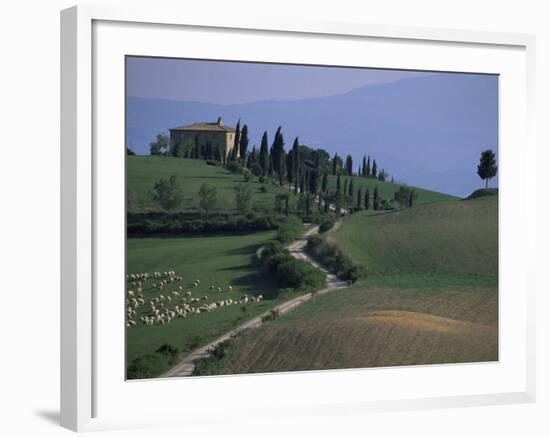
(433, 142)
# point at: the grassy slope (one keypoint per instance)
(372, 327)
(387, 189)
(444, 259)
(214, 260)
(455, 239)
(144, 171)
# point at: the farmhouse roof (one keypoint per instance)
(217, 126)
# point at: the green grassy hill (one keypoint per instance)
(387, 189)
(221, 261)
(446, 241)
(142, 172)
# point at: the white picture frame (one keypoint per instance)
(84, 386)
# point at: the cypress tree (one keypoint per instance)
(346, 187)
(264, 155)
(374, 169)
(244, 142)
(292, 163)
(367, 199)
(335, 163)
(411, 199)
(236, 143)
(375, 200)
(364, 172)
(359, 198)
(338, 186)
(324, 185)
(313, 181)
(367, 171)
(302, 182)
(350, 192)
(286, 206)
(349, 165)
(278, 154)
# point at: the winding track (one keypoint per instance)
(297, 249)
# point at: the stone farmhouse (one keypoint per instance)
(205, 137)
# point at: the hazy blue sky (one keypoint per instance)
(228, 83)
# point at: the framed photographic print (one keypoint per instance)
(291, 218)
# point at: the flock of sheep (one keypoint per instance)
(173, 301)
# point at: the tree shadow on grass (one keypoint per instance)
(244, 250)
(206, 177)
(255, 280)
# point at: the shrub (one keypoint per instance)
(297, 274)
(262, 179)
(326, 223)
(263, 189)
(257, 170)
(290, 230)
(243, 198)
(314, 241)
(332, 257)
(168, 193)
(167, 350)
(233, 167)
(153, 364)
(246, 174)
(272, 248)
(147, 366)
(286, 293)
(272, 315)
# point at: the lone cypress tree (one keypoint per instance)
(359, 198)
(375, 200)
(244, 142)
(487, 167)
(367, 199)
(264, 155)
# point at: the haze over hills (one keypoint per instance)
(427, 131)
